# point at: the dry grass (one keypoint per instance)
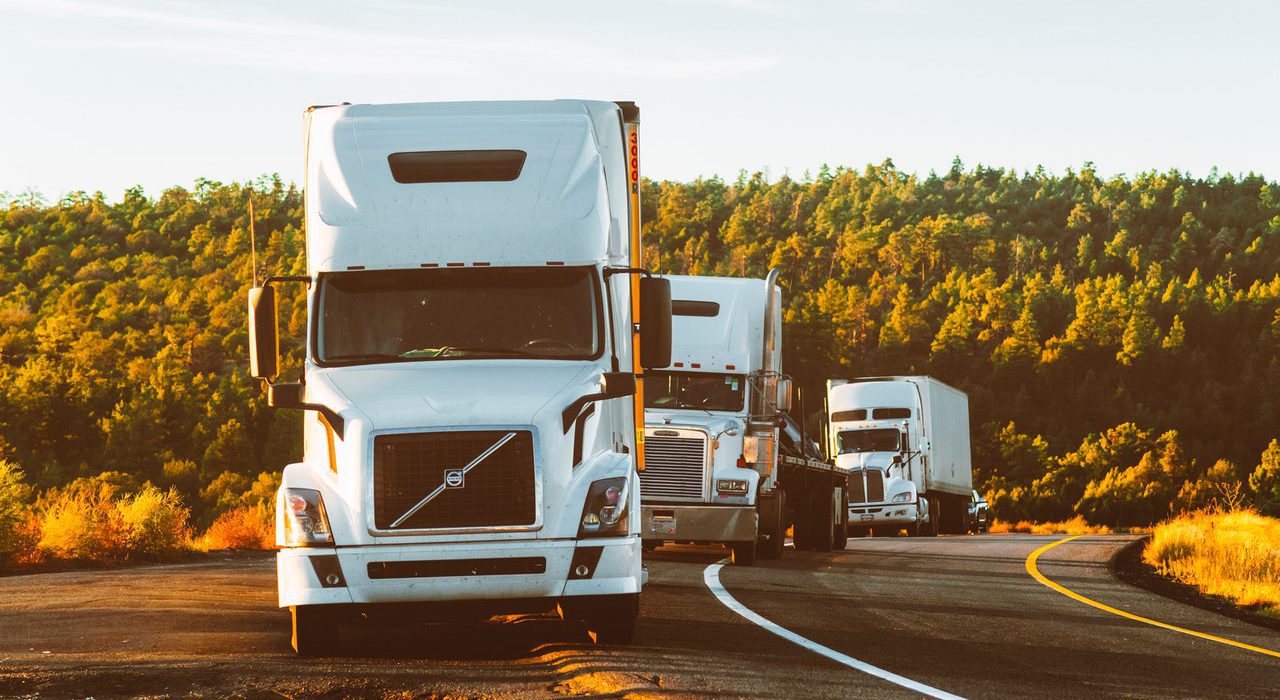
(246, 527)
(1074, 526)
(1235, 555)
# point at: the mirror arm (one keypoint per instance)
(287, 278)
(572, 410)
(611, 271)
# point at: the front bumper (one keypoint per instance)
(699, 523)
(399, 573)
(881, 514)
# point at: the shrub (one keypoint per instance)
(1073, 526)
(15, 495)
(75, 524)
(245, 527)
(153, 522)
(1235, 555)
(1265, 480)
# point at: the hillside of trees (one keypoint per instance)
(1119, 338)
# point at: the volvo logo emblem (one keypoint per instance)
(454, 478)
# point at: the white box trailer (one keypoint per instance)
(721, 469)
(475, 316)
(905, 442)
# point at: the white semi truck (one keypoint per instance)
(724, 463)
(905, 443)
(477, 328)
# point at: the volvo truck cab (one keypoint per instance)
(478, 322)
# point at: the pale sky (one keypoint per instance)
(105, 94)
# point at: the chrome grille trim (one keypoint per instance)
(675, 467)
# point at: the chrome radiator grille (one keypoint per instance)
(498, 490)
(674, 468)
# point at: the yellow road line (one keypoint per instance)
(1035, 574)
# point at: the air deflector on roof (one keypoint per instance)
(412, 167)
(686, 307)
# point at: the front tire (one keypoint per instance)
(611, 620)
(930, 528)
(775, 545)
(315, 630)
(742, 553)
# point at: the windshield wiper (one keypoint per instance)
(360, 357)
(451, 350)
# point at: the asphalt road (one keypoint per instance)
(959, 615)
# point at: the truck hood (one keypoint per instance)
(864, 460)
(689, 419)
(468, 392)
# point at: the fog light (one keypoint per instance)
(582, 570)
(332, 579)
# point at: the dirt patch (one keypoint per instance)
(1127, 565)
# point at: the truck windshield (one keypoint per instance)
(704, 390)
(871, 440)
(471, 313)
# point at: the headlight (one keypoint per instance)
(605, 511)
(733, 487)
(904, 497)
(305, 522)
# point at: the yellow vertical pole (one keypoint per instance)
(631, 128)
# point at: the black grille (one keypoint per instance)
(875, 486)
(499, 491)
(866, 486)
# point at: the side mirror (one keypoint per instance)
(285, 395)
(618, 384)
(655, 322)
(784, 395)
(906, 441)
(264, 342)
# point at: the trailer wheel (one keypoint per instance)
(822, 519)
(315, 630)
(776, 519)
(840, 535)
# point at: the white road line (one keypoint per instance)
(711, 577)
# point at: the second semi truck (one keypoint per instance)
(724, 462)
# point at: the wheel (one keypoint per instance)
(315, 630)
(913, 530)
(650, 545)
(930, 528)
(800, 526)
(821, 517)
(609, 619)
(775, 521)
(840, 535)
(742, 553)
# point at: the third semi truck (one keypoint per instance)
(905, 443)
